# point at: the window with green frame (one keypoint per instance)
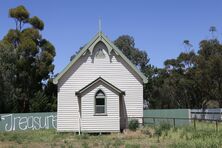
(100, 102)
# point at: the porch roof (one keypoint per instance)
(99, 79)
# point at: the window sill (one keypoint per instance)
(100, 114)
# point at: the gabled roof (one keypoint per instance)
(90, 46)
(100, 79)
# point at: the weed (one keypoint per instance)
(163, 127)
(25, 146)
(148, 131)
(65, 141)
(95, 144)
(107, 145)
(16, 138)
(70, 146)
(2, 138)
(53, 145)
(83, 136)
(85, 145)
(132, 146)
(153, 146)
(118, 143)
(204, 136)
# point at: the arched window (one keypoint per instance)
(100, 102)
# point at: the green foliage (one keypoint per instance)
(7, 78)
(133, 124)
(20, 13)
(38, 102)
(26, 66)
(36, 23)
(138, 57)
(191, 80)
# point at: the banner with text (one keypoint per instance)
(28, 121)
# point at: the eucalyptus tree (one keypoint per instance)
(137, 56)
(34, 55)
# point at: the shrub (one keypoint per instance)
(133, 124)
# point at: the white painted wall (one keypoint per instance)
(113, 69)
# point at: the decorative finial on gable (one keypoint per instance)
(100, 25)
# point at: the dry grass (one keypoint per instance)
(51, 139)
(162, 136)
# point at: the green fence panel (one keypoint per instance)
(156, 116)
(28, 121)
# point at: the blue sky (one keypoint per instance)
(158, 26)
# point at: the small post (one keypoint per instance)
(143, 121)
(174, 123)
(154, 122)
(194, 123)
(216, 125)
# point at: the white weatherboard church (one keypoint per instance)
(99, 90)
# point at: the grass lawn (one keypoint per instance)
(153, 137)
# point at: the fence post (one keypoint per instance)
(154, 122)
(216, 125)
(194, 123)
(174, 123)
(143, 121)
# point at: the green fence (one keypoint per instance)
(175, 117)
(28, 121)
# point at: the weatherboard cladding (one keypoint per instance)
(115, 70)
(108, 122)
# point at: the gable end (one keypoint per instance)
(110, 46)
